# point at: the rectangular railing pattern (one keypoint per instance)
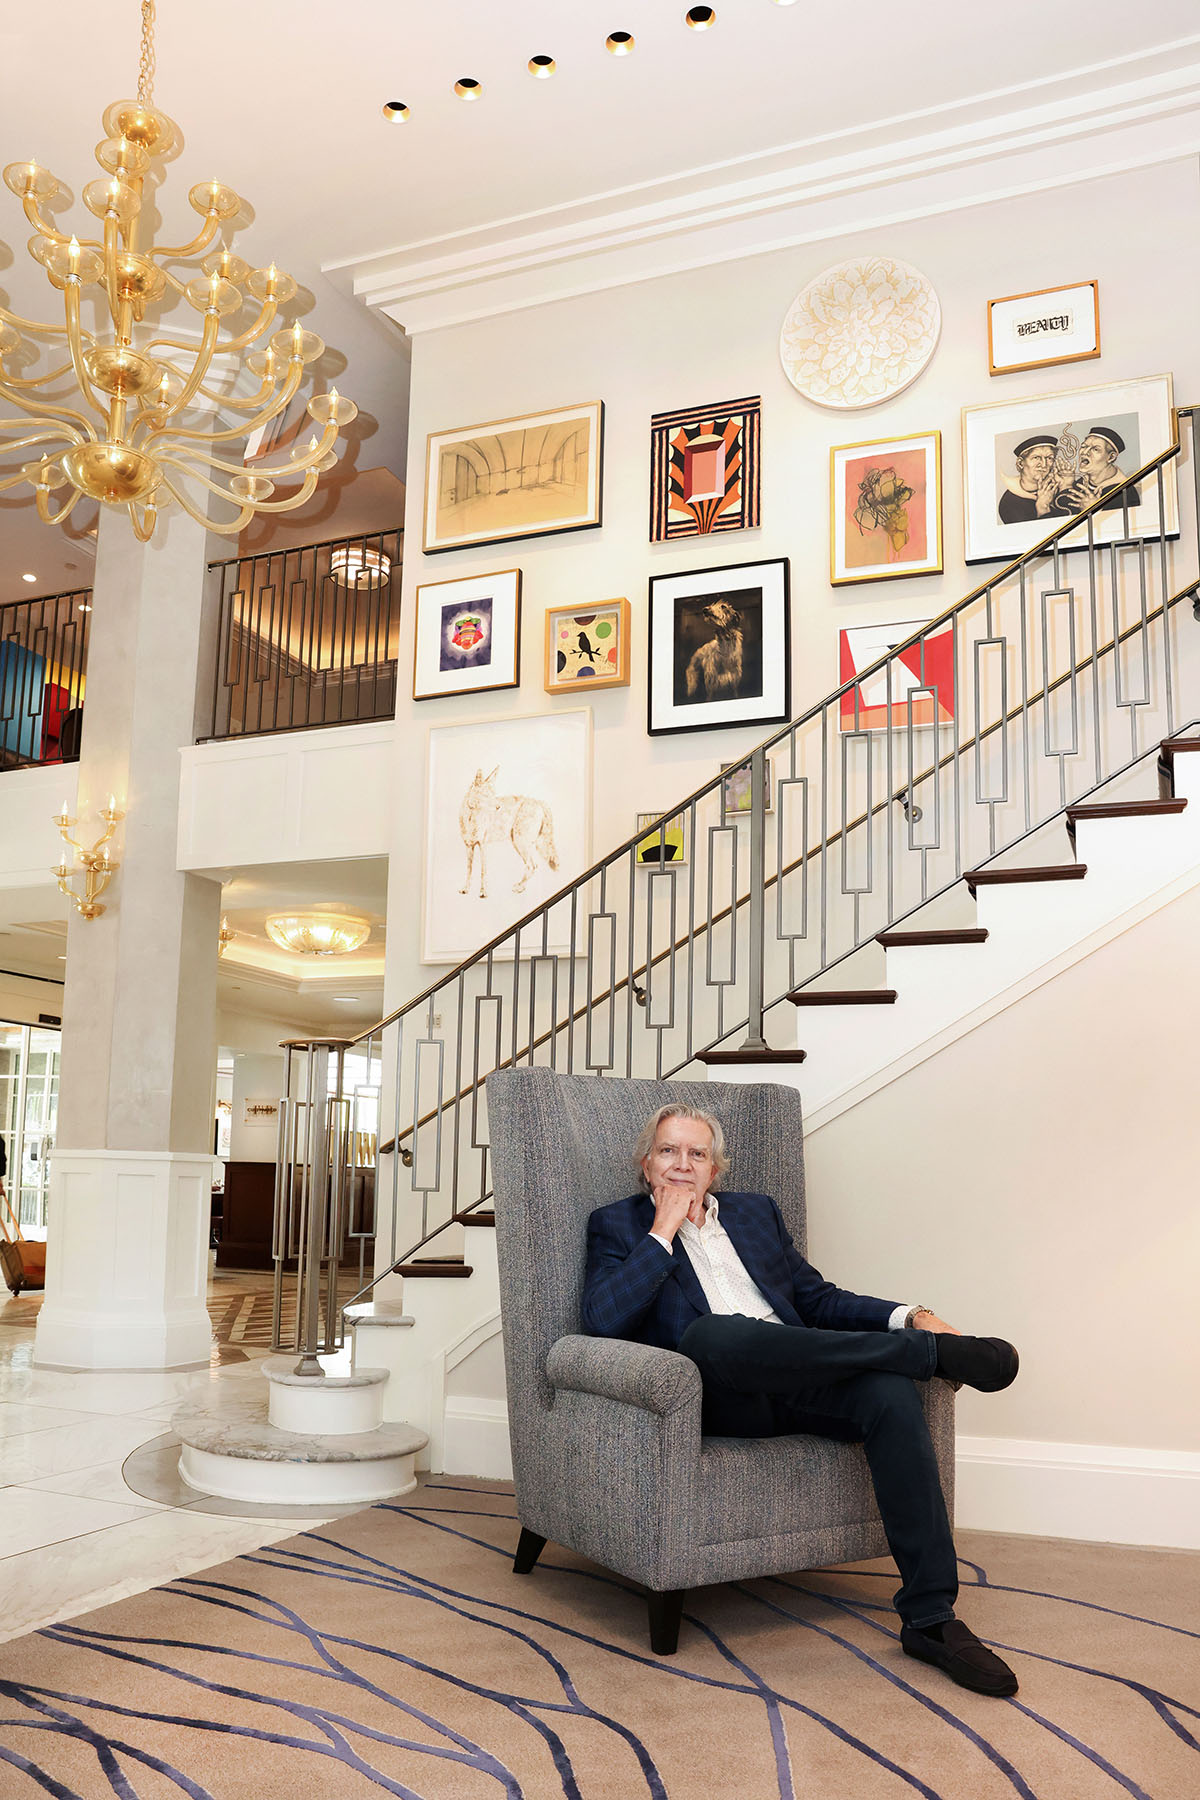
(307, 636)
(43, 671)
(1053, 677)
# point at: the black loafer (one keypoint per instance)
(988, 1364)
(962, 1657)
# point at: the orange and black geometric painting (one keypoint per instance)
(704, 469)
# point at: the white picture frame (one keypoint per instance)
(544, 759)
(1139, 412)
(444, 665)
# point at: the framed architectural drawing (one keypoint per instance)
(507, 823)
(919, 684)
(665, 840)
(885, 509)
(514, 478)
(1051, 325)
(704, 469)
(588, 648)
(468, 635)
(720, 648)
(1029, 464)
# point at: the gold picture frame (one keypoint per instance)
(885, 508)
(1066, 317)
(527, 476)
(587, 647)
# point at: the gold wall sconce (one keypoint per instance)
(94, 867)
(225, 936)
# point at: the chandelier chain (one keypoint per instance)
(145, 91)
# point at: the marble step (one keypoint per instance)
(232, 1450)
(326, 1404)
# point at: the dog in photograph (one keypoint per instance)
(714, 671)
(487, 817)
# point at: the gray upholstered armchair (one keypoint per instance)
(608, 1459)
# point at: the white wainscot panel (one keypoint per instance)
(292, 796)
(30, 844)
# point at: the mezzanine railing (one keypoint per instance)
(307, 637)
(43, 671)
(1051, 678)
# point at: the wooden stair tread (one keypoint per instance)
(904, 940)
(1177, 746)
(843, 997)
(1122, 809)
(1046, 872)
(719, 1057)
(475, 1218)
(454, 1271)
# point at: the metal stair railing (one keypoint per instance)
(1047, 681)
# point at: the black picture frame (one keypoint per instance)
(709, 669)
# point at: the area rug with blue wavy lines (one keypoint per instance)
(394, 1652)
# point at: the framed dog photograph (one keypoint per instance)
(588, 647)
(1029, 464)
(885, 509)
(468, 635)
(507, 824)
(720, 648)
(514, 478)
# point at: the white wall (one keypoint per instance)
(713, 336)
(255, 1078)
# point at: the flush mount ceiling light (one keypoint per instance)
(700, 17)
(467, 88)
(318, 934)
(542, 66)
(356, 566)
(619, 43)
(109, 421)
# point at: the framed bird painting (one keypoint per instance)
(587, 647)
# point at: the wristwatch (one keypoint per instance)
(911, 1314)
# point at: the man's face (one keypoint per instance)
(682, 1156)
(1035, 466)
(1096, 458)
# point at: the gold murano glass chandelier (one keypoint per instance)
(152, 426)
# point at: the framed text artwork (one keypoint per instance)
(587, 648)
(720, 651)
(885, 509)
(468, 635)
(704, 469)
(917, 684)
(514, 478)
(1029, 464)
(507, 823)
(1050, 325)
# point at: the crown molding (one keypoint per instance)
(1142, 110)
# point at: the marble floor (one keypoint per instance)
(91, 1505)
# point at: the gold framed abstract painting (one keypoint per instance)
(514, 478)
(885, 509)
(587, 647)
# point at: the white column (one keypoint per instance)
(130, 1178)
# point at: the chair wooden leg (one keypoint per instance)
(528, 1551)
(666, 1610)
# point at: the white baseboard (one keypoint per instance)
(1096, 1492)
(475, 1438)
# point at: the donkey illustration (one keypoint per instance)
(714, 671)
(486, 817)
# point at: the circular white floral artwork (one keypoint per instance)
(860, 332)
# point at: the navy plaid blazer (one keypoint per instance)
(634, 1288)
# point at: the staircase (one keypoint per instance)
(891, 888)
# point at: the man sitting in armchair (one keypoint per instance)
(781, 1350)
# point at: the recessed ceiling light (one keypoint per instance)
(467, 88)
(542, 66)
(700, 17)
(347, 999)
(395, 109)
(84, 606)
(29, 578)
(620, 43)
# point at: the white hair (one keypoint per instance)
(677, 1110)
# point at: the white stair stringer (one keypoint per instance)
(445, 1319)
(1035, 930)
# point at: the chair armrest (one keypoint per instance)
(660, 1381)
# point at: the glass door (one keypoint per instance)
(29, 1065)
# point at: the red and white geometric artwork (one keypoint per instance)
(704, 463)
(911, 684)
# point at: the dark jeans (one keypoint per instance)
(764, 1380)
